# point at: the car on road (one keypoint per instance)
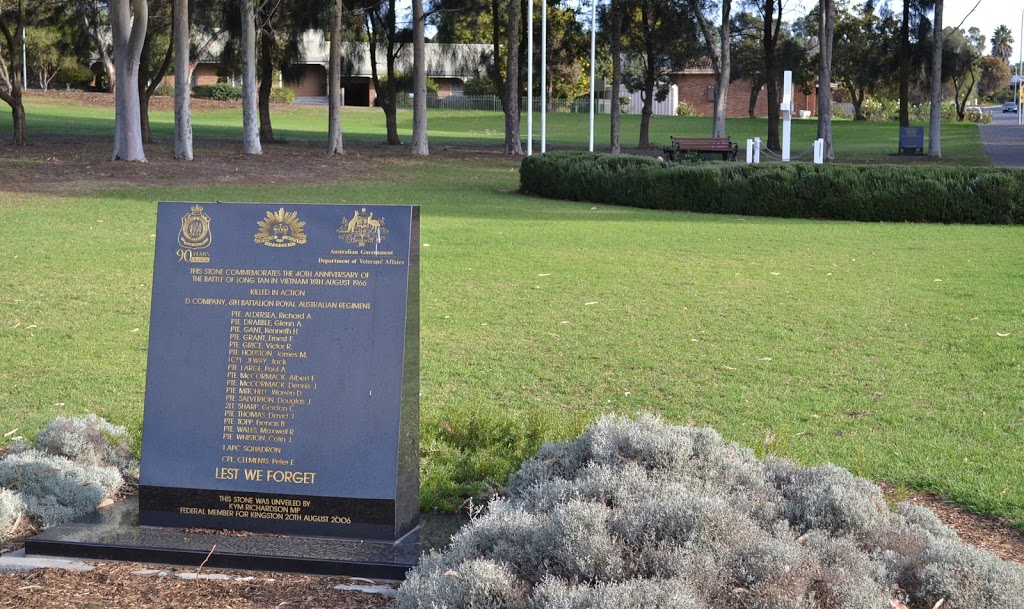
(1009, 106)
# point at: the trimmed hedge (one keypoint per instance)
(223, 91)
(867, 193)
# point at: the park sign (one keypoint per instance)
(283, 376)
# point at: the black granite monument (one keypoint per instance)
(283, 379)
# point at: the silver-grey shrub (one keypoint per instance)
(89, 440)
(12, 507)
(55, 489)
(636, 513)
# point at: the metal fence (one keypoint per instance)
(493, 103)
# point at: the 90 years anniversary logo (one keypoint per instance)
(362, 229)
(194, 236)
(281, 229)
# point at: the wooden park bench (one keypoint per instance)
(715, 145)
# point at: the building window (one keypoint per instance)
(711, 93)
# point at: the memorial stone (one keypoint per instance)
(911, 141)
(283, 379)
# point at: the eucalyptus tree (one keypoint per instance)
(747, 55)
(90, 19)
(913, 31)
(250, 127)
(864, 48)
(11, 84)
(153, 67)
(128, 20)
(935, 114)
(46, 56)
(420, 145)
(994, 74)
(717, 49)
(615, 39)
(770, 13)
(182, 83)
(826, 36)
(660, 37)
(513, 143)
(1002, 43)
(383, 34)
(962, 64)
(334, 140)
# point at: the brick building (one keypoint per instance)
(697, 86)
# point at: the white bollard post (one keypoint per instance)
(750, 151)
(787, 113)
(757, 151)
(819, 151)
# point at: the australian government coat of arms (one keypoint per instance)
(362, 229)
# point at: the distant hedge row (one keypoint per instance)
(869, 193)
(223, 91)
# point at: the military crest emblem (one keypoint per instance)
(195, 229)
(281, 229)
(362, 229)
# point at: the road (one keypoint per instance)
(1003, 139)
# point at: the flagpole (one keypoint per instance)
(529, 80)
(593, 60)
(544, 77)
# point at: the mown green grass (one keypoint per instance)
(853, 142)
(894, 350)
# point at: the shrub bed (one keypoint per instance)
(868, 193)
(638, 514)
(71, 467)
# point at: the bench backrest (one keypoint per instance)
(702, 142)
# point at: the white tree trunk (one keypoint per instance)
(182, 84)
(827, 34)
(250, 118)
(724, 74)
(334, 141)
(935, 116)
(419, 81)
(128, 20)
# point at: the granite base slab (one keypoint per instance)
(114, 533)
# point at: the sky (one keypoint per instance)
(989, 15)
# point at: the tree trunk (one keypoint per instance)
(182, 83)
(250, 127)
(513, 141)
(266, 83)
(387, 91)
(334, 141)
(857, 99)
(935, 116)
(724, 75)
(771, 72)
(719, 58)
(496, 77)
(827, 34)
(148, 83)
(905, 66)
(128, 28)
(391, 105)
(420, 146)
(92, 25)
(616, 107)
(755, 92)
(647, 111)
(13, 96)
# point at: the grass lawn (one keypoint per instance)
(895, 350)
